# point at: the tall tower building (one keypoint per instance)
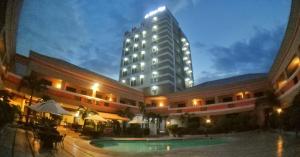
(156, 55)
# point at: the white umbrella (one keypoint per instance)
(137, 120)
(96, 117)
(49, 106)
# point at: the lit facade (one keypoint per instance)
(73, 86)
(156, 55)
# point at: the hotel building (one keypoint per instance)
(74, 87)
(156, 55)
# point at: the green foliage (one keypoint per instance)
(126, 113)
(7, 110)
(33, 83)
(135, 130)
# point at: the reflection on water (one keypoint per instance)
(279, 146)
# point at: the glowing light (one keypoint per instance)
(95, 86)
(183, 39)
(161, 104)
(154, 18)
(190, 71)
(144, 32)
(123, 81)
(134, 55)
(154, 37)
(208, 121)
(125, 59)
(154, 72)
(143, 41)
(127, 40)
(142, 76)
(188, 61)
(135, 45)
(77, 114)
(187, 52)
(154, 87)
(185, 58)
(124, 69)
(195, 102)
(143, 52)
(58, 85)
(133, 66)
(187, 79)
(279, 110)
(159, 9)
(126, 49)
(154, 27)
(136, 36)
(110, 99)
(186, 68)
(133, 78)
(142, 63)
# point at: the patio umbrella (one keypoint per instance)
(137, 120)
(49, 106)
(96, 117)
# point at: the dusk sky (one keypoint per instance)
(227, 37)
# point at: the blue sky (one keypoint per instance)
(227, 37)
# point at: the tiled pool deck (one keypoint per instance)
(251, 144)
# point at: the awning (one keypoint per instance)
(112, 116)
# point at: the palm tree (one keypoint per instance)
(34, 84)
(266, 104)
(294, 113)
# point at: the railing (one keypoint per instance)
(67, 96)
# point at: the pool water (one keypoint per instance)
(143, 146)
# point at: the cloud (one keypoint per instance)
(248, 56)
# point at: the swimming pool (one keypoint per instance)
(145, 146)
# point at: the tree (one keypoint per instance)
(34, 85)
(265, 105)
(126, 113)
(293, 112)
(7, 110)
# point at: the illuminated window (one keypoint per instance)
(186, 68)
(124, 72)
(133, 69)
(293, 66)
(126, 49)
(142, 66)
(127, 40)
(132, 81)
(123, 81)
(136, 37)
(154, 49)
(154, 18)
(142, 54)
(155, 76)
(144, 33)
(183, 39)
(185, 58)
(125, 62)
(134, 57)
(142, 79)
(154, 37)
(154, 61)
(154, 90)
(154, 28)
(143, 44)
(187, 52)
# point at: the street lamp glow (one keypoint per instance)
(95, 86)
(279, 110)
(208, 121)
